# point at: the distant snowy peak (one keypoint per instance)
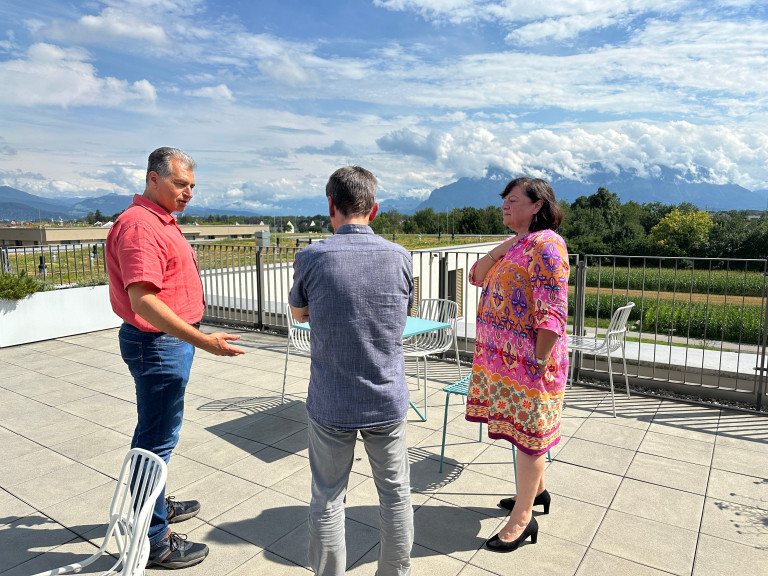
(666, 185)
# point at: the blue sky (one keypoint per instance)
(271, 96)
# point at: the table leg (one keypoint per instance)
(423, 418)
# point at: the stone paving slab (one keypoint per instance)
(664, 488)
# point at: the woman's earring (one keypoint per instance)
(535, 219)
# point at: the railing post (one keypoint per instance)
(5, 262)
(259, 289)
(761, 368)
(442, 271)
(579, 294)
(42, 269)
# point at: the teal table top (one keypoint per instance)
(413, 326)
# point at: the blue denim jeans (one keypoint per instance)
(331, 453)
(160, 365)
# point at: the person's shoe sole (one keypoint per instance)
(182, 517)
(176, 565)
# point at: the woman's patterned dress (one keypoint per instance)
(523, 292)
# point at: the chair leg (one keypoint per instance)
(445, 427)
(570, 371)
(610, 377)
(425, 388)
(624, 359)
(285, 370)
(456, 349)
(514, 463)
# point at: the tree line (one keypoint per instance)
(602, 224)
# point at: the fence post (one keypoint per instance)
(442, 275)
(5, 262)
(259, 288)
(579, 294)
(42, 269)
(761, 368)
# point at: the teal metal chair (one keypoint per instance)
(462, 389)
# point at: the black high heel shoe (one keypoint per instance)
(498, 545)
(542, 499)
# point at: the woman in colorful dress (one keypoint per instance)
(520, 365)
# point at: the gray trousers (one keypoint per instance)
(331, 453)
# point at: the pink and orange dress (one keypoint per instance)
(523, 292)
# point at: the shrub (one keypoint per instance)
(100, 281)
(13, 287)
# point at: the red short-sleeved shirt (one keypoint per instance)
(146, 245)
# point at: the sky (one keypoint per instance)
(270, 97)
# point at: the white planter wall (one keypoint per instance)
(54, 314)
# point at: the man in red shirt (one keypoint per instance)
(155, 288)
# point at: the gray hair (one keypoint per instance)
(160, 161)
(353, 190)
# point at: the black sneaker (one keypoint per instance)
(174, 551)
(180, 511)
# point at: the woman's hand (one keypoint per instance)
(482, 266)
(545, 343)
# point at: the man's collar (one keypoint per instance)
(156, 209)
(354, 229)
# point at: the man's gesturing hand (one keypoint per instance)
(218, 344)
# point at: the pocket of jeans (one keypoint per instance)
(132, 354)
(167, 342)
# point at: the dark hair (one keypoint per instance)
(549, 216)
(353, 190)
(160, 161)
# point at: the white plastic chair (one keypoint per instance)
(437, 342)
(129, 516)
(297, 338)
(614, 339)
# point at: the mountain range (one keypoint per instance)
(18, 205)
(669, 186)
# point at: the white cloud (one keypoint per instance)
(121, 178)
(111, 26)
(289, 71)
(113, 23)
(732, 154)
(51, 75)
(157, 8)
(338, 148)
(558, 29)
(433, 146)
(578, 15)
(220, 92)
(9, 43)
(42, 185)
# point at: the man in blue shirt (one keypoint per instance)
(355, 289)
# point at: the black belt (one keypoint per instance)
(196, 325)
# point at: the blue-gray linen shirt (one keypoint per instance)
(359, 288)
